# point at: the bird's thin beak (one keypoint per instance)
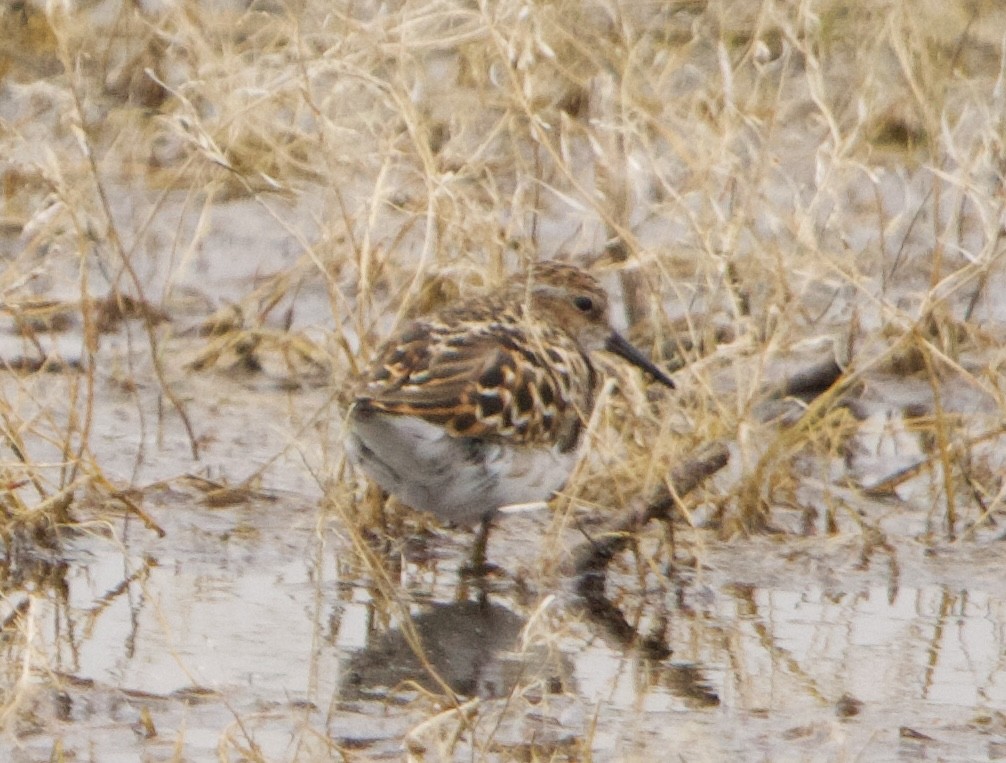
(620, 346)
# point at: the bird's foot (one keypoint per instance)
(475, 569)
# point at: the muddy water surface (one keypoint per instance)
(252, 629)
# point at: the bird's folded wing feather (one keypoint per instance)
(470, 382)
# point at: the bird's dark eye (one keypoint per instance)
(583, 304)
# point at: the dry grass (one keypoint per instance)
(765, 183)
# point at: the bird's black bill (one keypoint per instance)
(617, 344)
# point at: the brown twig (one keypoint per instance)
(592, 557)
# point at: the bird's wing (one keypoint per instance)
(473, 383)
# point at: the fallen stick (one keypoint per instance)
(592, 557)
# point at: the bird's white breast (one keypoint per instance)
(455, 478)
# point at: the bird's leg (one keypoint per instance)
(482, 542)
(476, 566)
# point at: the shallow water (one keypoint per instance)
(253, 627)
(775, 652)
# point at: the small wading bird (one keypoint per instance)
(482, 405)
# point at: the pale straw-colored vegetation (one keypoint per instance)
(768, 187)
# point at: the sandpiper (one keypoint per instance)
(482, 405)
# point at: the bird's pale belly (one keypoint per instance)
(458, 479)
